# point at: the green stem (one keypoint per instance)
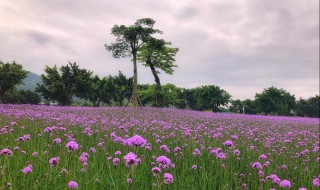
(111, 175)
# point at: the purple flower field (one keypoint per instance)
(47, 147)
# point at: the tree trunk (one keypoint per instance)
(134, 98)
(159, 97)
(1, 96)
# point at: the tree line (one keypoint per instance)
(65, 84)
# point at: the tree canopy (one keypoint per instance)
(308, 107)
(275, 101)
(11, 74)
(210, 97)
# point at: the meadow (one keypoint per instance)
(52, 147)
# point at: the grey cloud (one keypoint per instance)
(187, 13)
(40, 37)
(241, 46)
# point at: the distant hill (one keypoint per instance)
(30, 82)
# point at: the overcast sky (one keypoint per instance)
(243, 46)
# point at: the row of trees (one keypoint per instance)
(274, 101)
(63, 85)
(69, 81)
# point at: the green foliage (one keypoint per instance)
(247, 106)
(158, 54)
(122, 88)
(98, 90)
(11, 74)
(147, 94)
(211, 97)
(61, 86)
(21, 97)
(309, 107)
(275, 101)
(170, 94)
(250, 106)
(78, 80)
(53, 87)
(201, 98)
(236, 106)
(111, 90)
(188, 99)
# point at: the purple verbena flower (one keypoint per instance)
(285, 184)
(163, 160)
(131, 159)
(57, 141)
(168, 178)
(116, 161)
(316, 182)
(54, 161)
(27, 169)
(257, 165)
(228, 143)
(136, 140)
(72, 145)
(73, 185)
(6, 152)
(156, 170)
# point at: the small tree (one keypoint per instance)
(129, 40)
(11, 74)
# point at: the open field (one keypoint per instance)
(45, 147)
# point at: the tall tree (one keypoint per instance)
(128, 41)
(275, 101)
(11, 74)
(156, 54)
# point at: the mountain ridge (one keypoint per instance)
(30, 82)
